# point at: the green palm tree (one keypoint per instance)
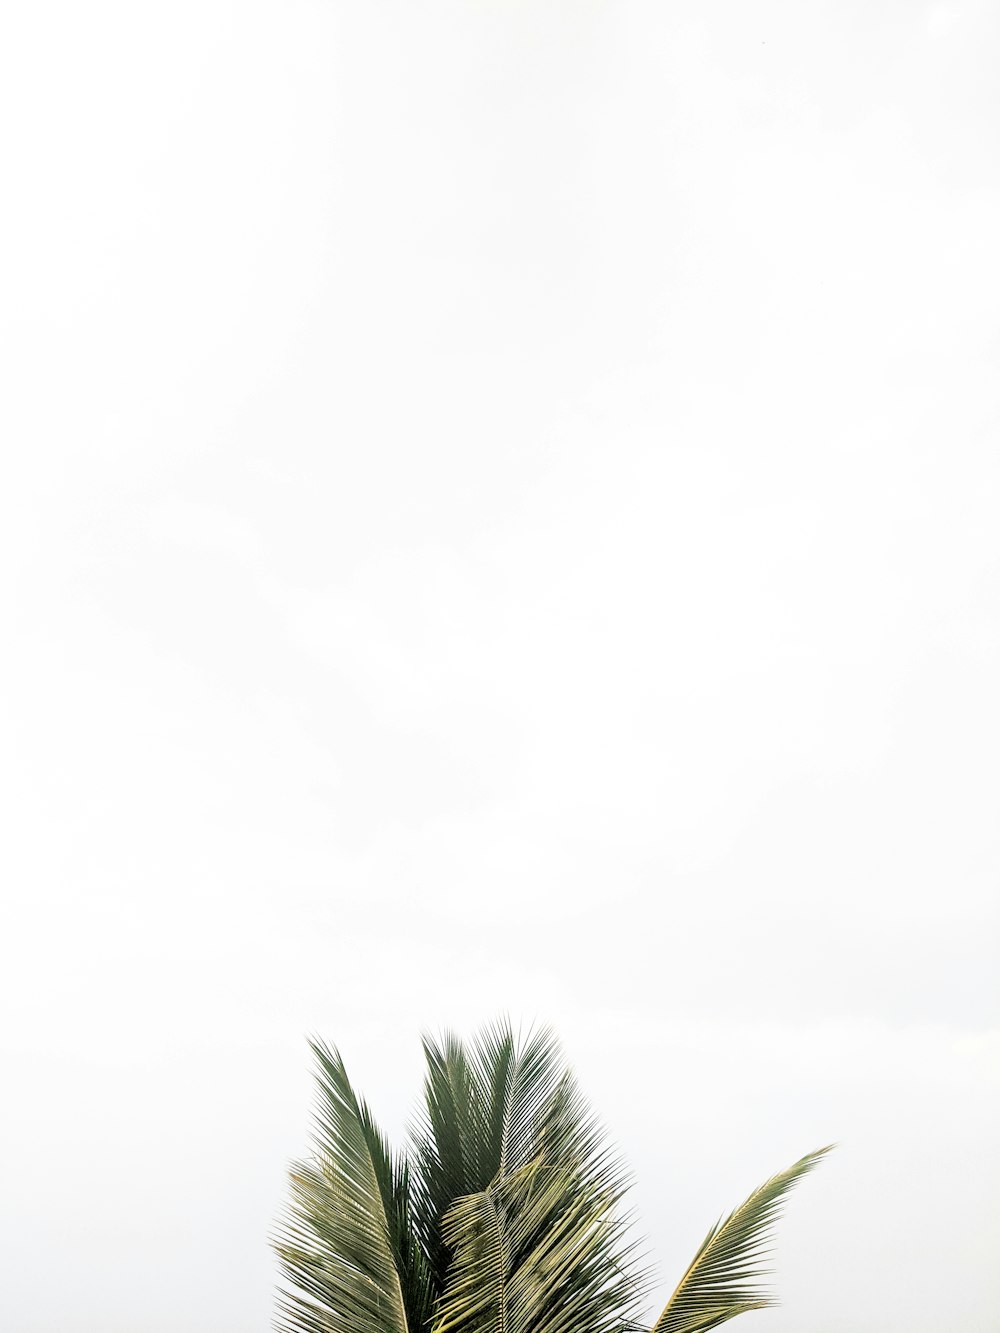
(502, 1216)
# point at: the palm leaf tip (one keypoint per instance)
(724, 1277)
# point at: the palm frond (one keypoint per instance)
(490, 1108)
(447, 1145)
(347, 1245)
(540, 1251)
(723, 1280)
(539, 1244)
(517, 1082)
(471, 1121)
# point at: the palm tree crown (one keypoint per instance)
(502, 1216)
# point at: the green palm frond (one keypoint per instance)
(724, 1277)
(483, 1106)
(518, 1083)
(568, 1134)
(538, 1246)
(446, 1145)
(347, 1245)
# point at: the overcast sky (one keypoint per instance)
(501, 513)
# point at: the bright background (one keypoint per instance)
(501, 512)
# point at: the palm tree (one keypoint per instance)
(502, 1216)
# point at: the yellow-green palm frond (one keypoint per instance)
(542, 1250)
(723, 1279)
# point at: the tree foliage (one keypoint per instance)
(502, 1215)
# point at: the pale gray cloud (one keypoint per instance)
(502, 516)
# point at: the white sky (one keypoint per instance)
(500, 511)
